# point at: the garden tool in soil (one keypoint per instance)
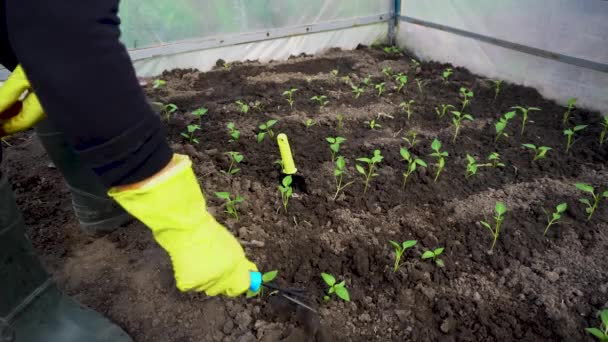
(293, 295)
(205, 255)
(32, 308)
(19, 106)
(288, 164)
(95, 210)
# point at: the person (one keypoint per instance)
(73, 79)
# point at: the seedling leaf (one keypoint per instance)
(269, 276)
(328, 279)
(342, 292)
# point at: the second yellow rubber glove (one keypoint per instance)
(19, 106)
(205, 256)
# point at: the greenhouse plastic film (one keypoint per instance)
(571, 28)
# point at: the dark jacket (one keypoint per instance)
(85, 81)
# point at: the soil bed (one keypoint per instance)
(531, 288)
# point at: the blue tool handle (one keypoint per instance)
(255, 281)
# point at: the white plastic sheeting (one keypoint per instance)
(569, 27)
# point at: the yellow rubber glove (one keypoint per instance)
(19, 106)
(205, 256)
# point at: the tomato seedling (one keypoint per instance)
(387, 71)
(406, 106)
(371, 163)
(258, 106)
(266, 129)
(412, 164)
(494, 159)
(555, 216)
(334, 146)
(416, 64)
(189, 134)
(457, 118)
(158, 83)
(334, 72)
(230, 203)
(338, 288)
(373, 124)
(601, 333)
(243, 107)
(497, 84)
(604, 133)
(234, 133)
(235, 159)
(524, 112)
(500, 210)
(367, 80)
(357, 91)
(540, 152)
(445, 75)
(444, 109)
(440, 155)
(595, 198)
(411, 138)
(391, 49)
(569, 133)
(339, 175)
(320, 99)
(433, 255)
(266, 278)
(340, 118)
(286, 191)
(502, 124)
(466, 95)
(380, 88)
(571, 106)
(199, 113)
(472, 166)
(309, 123)
(289, 96)
(169, 109)
(400, 248)
(420, 83)
(401, 80)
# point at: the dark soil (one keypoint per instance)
(531, 288)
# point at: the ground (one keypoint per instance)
(531, 287)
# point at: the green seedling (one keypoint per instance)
(388, 71)
(243, 107)
(340, 118)
(457, 119)
(371, 163)
(346, 80)
(445, 75)
(415, 63)
(555, 217)
(401, 80)
(497, 84)
(334, 146)
(444, 109)
(571, 106)
(357, 91)
(266, 129)
(258, 106)
(472, 166)
(289, 96)
(367, 81)
(235, 159)
(372, 124)
(411, 138)
(407, 107)
(230, 203)
(604, 133)
(601, 333)
(569, 133)
(540, 152)
(420, 83)
(502, 124)
(169, 109)
(158, 83)
(339, 175)
(199, 113)
(380, 88)
(595, 198)
(334, 287)
(494, 159)
(226, 66)
(391, 49)
(400, 248)
(286, 191)
(524, 111)
(234, 133)
(320, 99)
(466, 95)
(334, 72)
(440, 155)
(412, 164)
(500, 210)
(433, 255)
(189, 134)
(266, 278)
(309, 123)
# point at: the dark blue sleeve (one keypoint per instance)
(85, 81)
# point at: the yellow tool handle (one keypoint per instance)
(289, 167)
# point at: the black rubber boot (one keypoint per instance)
(32, 308)
(96, 212)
